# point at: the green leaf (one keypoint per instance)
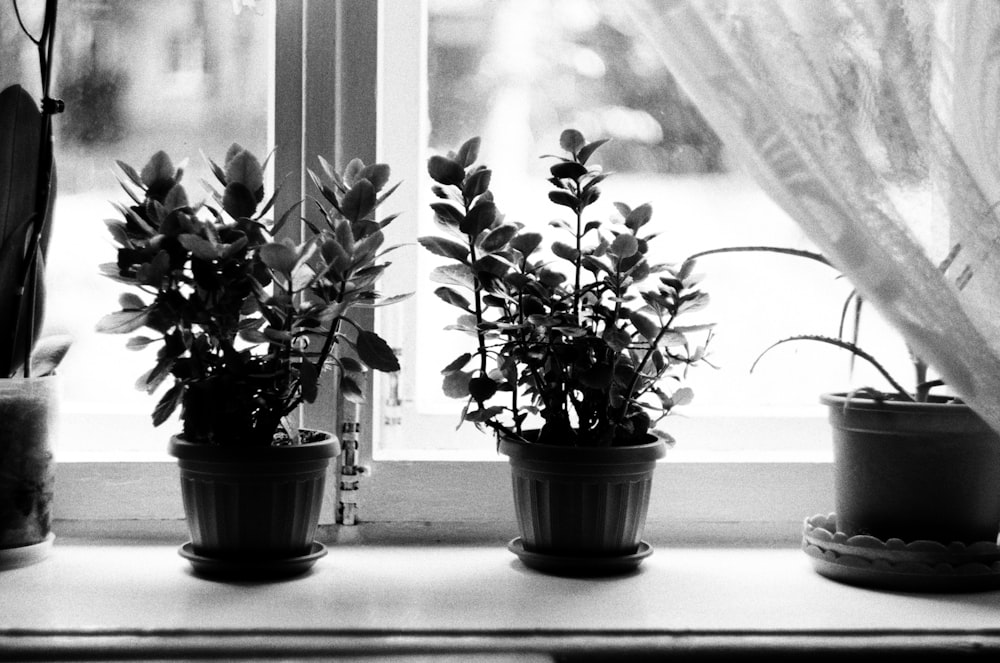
(359, 202)
(118, 232)
(469, 152)
(216, 170)
(568, 170)
(649, 329)
(131, 301)
(253, 336)
(350, 390)
(682, 396)
(617, 339)
(448, 215)
(238, 201)
(375, 352)
(623, 209)
(587, 150)
(480, 217)
(486, 414)
(527, 243)
(122, 322)
(352, 171)
(695, 301)
(377, 174)
(624, 246)
(139, 342)
(595, 264)
(590, 196)
(168, 403)
(445, 171)
(458, 274)
(667, 438)
(279, 256)
(564, 198)
(243, 167)
(48, 353)
(158, 168)
(456, 384)
(499, 237)
(639, 217)
(457, 364)
(453, 298)
(478, 183)
(482, 388)
(351, 364)
(176, 198)
(201, 248)
(334, 255)
(130, 173)
(571, 140)
(565, 251)
(444, 247)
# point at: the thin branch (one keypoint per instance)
(811, 255)
(846, 345)
(24, 28)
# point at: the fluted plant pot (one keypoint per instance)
(581, 510)
(28, 409)
(253, 512)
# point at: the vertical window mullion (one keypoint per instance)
(339, 122)
(286, 99)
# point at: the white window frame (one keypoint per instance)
(328, 106)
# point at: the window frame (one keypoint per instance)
(693, 502)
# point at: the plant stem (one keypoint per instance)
(645, 358)
(578, 258)
(768, 249)
(923, 386)
(477, 289)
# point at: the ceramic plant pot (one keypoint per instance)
(253, 512)
(27, 425)
(914, 471)
(581, 510)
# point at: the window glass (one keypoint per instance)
(517, 72)
(184, 76)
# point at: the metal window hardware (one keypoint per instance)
(350, 474)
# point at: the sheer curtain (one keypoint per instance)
(875, 125)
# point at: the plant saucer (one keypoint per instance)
(916, 566)
(583, 566)
(251, 568)
(12, 558)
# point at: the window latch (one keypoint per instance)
(351, 474)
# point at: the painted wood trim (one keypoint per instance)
(520, 646)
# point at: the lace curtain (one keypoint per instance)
(876, 126)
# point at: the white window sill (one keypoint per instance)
(141, 601)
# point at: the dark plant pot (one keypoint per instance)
(28, 409)
(582, 502)
(250, 506)
(914, 471)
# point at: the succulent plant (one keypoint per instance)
(583, 342)
(246, 324)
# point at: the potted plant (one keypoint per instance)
(246, 325)
(916, 484)
(28, 386)
(579, 354)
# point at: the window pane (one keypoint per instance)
(517, 72)
(184, 76)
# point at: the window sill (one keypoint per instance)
(141, 601)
